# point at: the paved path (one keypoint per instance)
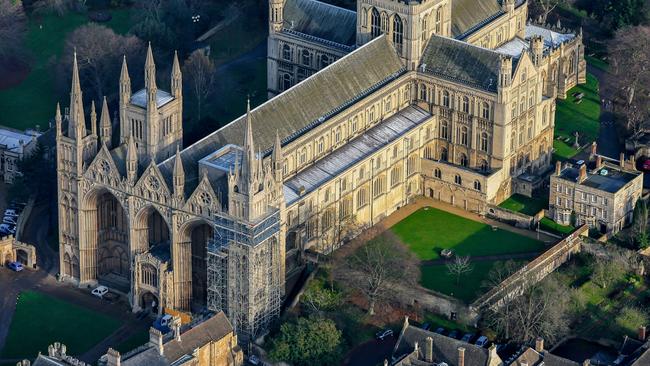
(485, 258)
(607, 140)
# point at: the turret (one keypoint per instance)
(58, 120)
(176, 78)
(276, 15)
(93, 119)
(105, 127)
(505, 72)
(537, 49)
(248, 164)
(77, 123)
(179, 175)
(131, 160)
(151, 116)
(277, 159)
(125, 97)
(508, 5)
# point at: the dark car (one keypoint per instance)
(454, 334)
(467, 337)
(382, 334)
(426, 326)
(441, 330)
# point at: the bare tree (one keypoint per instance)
(200, 71)
(499, 273)
(606, 271)
(99, 54)
(459, 266)
(541, 310)
(641, 224)
(376, 267)
(629, 76)
(58, 7)
(544, 8)
(12, 29)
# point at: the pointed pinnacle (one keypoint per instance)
(176, 67)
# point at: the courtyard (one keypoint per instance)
(33, 328)
(430, 230)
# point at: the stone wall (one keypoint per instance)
(510, 217)
(436, 303)
(533, 272)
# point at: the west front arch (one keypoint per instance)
(196, 235)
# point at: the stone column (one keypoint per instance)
(182, 267)
(87, 239)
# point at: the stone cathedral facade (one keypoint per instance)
(452, 99)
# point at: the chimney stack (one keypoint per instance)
(594, 147)
(176, 324)
(642, 333)
(558, 168)
(156, 339)
(583, 173)
(428, 351)
(539, 344)
(586, 362)
(461, 356)
(113, 358)
(599, 161)
(621, 160)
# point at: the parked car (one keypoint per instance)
(163, 323)
(467, 337)
(384, 334)
(441, 330)
(481, 341)
(100, 291)
(7, 229)
(11, 212)
(15, 266)
(9, 220)
(254, 360)
(426, 326)
(454, 334)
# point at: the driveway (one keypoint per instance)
(371, 353)
(607, 140)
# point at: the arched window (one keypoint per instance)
(286, 81)
(484, 142)
(321, 145)
(439, 20)
(462, 158)
(458, 180)
(149, 275)
(303, 156)
(337, 135)
(477, 185)
(444, 156)
(375, 26)
(437, 173)
(544, 117)
(423, 92)
(286, 52)
(485, 110)
(362, 198)
(384, 22)
(398, 33)
(325, 61)
(445, 99)
(395, 175)
(444, 129)
(463, 135)
(514, 110)
(466, 104)
(306, 57)
(424, 28)
(484, 166)
(371, 114)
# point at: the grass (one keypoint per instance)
(583, 118)
(597, 63)
(41, 320)
(32, 102)
(438, 321)
(428, 231)
(133, 342)
(525, 205)
(547, 224)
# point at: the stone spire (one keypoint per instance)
(277, 159)
(248, 165)
(179, 175)
(150, 71)
(105, 127)
(93, 119)
(176, 78)
(58, 120)
(77, 122)
(131, 160)
(125, 81)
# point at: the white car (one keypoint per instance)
(100, 291)
(9, 220)
(7, 228)
(10, 212)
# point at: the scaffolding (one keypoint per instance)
(244, 279)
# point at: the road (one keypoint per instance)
(371, 353)
(608, 143)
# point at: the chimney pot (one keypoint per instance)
(621, 160)
(594, 147)
(583, 173)
(539, 344)
(428, 351)
(558, 168)
(642, 333)
(113, 358)
(461, 356)
(599, 161)
(156, 339)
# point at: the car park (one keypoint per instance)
(15, 266)
(482, 341)
(254, 360)
(11, 212)
(381, 335)
(100, 291)
(7, 229)
(9, 220)
(467, 337)
(440, 330)
(454, 334)
(426, 326)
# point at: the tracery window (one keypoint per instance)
(306, 57)
(398, 33)
(458, 180)
(444, 129)
(445, 99)
(466, 104)
(463, 160)
(439, 20)
(463, 135)
(375, 27)
(287, 52)
(484, 142)
(485, 110)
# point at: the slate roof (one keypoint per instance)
(469, 15)
(552, 38)
(445, 349)
(354, 151)
(321, 20)
(462, 62)
(139, 98)
(305, 105)
(42, 360)
(553, 360)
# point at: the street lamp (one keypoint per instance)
(196, 18)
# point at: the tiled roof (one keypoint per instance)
(321, 20)
(462, 62)
(467, 16)
(139, 98)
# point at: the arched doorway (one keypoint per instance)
(22, 256)
(8, 258)
(149, 301)
(108, 227)
(153, 230)
(199, 234)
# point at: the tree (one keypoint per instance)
(631, 318)
(58, 7)
(199, 70)
(499, 273)
(606, 271)
(308, 341)
(99, 54)
(544, 7)
(375, 267)
(37, 176)
(542, 310)
(458, 267)
(12, 29)
(629, 77)
(318, 298)
(641, 224)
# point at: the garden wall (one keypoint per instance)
(435, 303)
(533, 272)
(510, 217)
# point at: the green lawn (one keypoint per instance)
(583, 118)
(41, 320)
(525, 205)
(33, 101)
(428, 231)
(597, 63)
(547, 224)
(133, 342)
